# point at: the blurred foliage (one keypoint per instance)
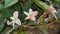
(7, 7)
(10, 2)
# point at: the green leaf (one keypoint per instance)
(6, 29)
(1, 6)
(57, 1)
(1, 26)
(40, 4)
(26, 5)
(9, 3)
(8, 12)
(2, 21)
(54, 16)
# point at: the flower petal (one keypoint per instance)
(11, 18)
(26, 18)
(26, 13)
(9, 23)
(35, 13)
(18, 22)
(53, 9)
(33, 19)
(15, 14)
(30, 11)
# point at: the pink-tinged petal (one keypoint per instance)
(15, 14)
(53, 9)
(50, 8)
(33, 19)
(35, 13)
(47, 12)
(26, 18)
(26, 13)
(30, 11)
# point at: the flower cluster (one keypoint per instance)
(30, 15)
(15, 20)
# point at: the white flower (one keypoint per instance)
(31, 15)
(14, 19)
(53, 9)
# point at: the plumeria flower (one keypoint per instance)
(52, 9)
(31, 15)
(15, 20)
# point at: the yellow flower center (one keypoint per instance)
(14, 19)
(30, 15)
